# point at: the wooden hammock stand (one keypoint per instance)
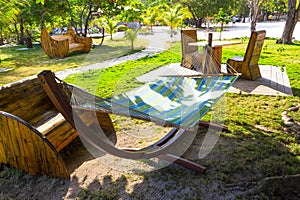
(37, 122)
(60, 45)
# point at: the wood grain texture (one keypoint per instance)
(32, 132)
(249, 66)
(59, 46)
(23, 147)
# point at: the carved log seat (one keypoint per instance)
(32, 131)
(60, 45)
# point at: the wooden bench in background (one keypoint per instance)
(248, 65)
(60, 45)
(32, 130)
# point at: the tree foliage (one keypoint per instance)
(131, 35)
(110, 26)
(207, 8)
(222, 18)
(152, 15)
(174, 16)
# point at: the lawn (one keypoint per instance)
(259, 145)
(26, 62)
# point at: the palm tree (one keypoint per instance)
(110, 27)
(131, 35)
(152, 14)
(173, 17)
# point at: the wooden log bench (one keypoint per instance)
(60, 45)
(32, 130)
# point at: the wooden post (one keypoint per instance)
(54, 92)
(210, 36)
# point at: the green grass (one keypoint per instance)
(30, 62)
(262, 144)
(258, 146)
(122, 77)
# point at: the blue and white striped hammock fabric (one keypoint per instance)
(177, 101)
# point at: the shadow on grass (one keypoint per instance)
(296, 91)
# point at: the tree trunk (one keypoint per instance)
(17, 32)
(197, 21)
(21, 41)
(245, 14)
(255, 7)
(171, 29)
(86, 25)
(28, 42)
(42, 19)
(291, 21)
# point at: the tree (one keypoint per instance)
(151, 16)
(206, 8)
(132, 12)
(174, 16)
(110, 27)
(255, 8)
(222, 18)
(82, 12)
(292, 18)
(131, 35)
(277, 7)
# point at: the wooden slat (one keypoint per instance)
(26, 138)
(17, 144)
(23, 147)
(8, 145)
(3, 145)
(249, 67)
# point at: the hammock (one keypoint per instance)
(178, 101)
(171, 101)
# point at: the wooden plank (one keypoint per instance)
(9, 151)
(254, 60)
(65, 139)
(3, 157)
(51, 124)
(18, 149)
(62, 135)
(26, 138)
(43, 157)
